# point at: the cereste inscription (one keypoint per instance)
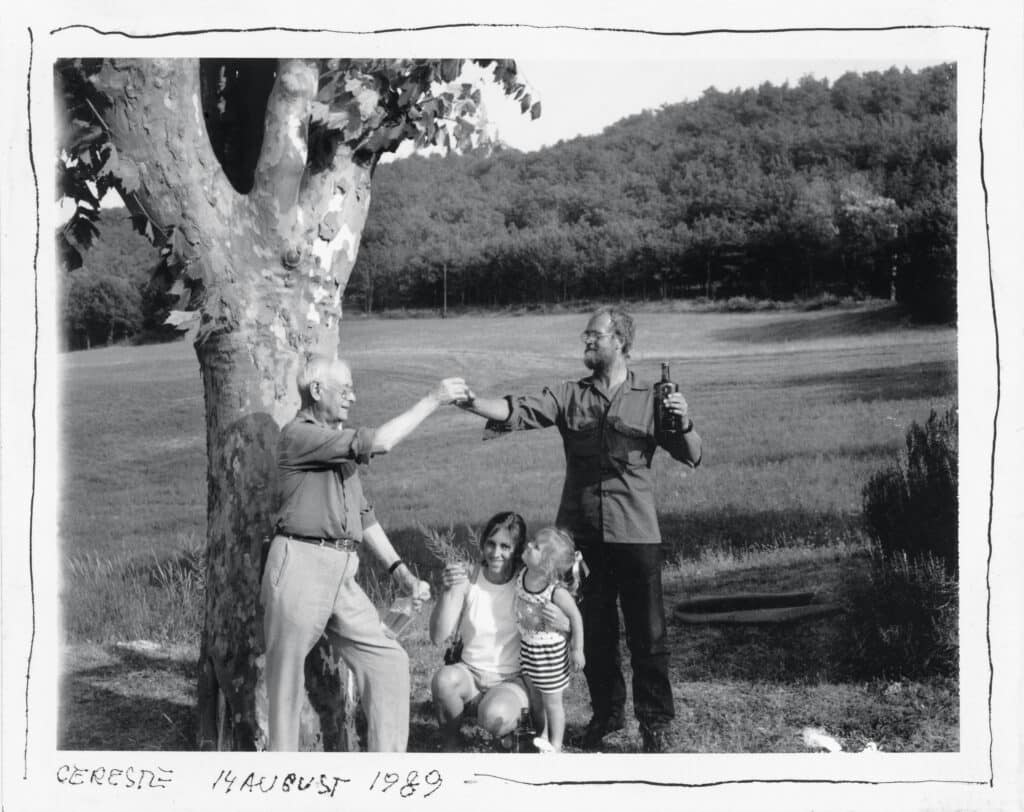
(128, 777)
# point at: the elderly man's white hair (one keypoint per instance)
(317, 368)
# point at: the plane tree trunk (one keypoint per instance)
(268, 269)
(258, 229)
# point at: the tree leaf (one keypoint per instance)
(83, 228)
(450, 69)
(182, 319)
(128, 173)
(70, 256)
(319, 111)
(142, 224)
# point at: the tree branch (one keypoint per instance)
(285, 148)
(162, 158)
(335, 202)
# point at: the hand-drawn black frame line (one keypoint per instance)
(710, 784)
(601, 29)
(523, 26)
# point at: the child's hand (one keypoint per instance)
(555, 619)
(577, 660)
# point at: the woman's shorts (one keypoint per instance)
(483, 681)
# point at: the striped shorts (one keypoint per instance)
(546, 665)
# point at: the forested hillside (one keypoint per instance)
(770, 192)
(775, 192)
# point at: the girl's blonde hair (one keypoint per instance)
(559, 557)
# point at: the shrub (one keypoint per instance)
(904, 610)
(903, 619)
(912, 505)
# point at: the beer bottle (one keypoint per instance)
(665, 422)
(524, 734)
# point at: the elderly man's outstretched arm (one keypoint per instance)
(398, 428)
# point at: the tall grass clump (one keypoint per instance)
(121, 598)
(912, 505)
(904, 610)
(904, 619)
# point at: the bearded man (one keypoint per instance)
(607, 424)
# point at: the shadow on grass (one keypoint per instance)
(835, 325)
(925, 380)
(689, 535)
(127, 700)
(753, 458)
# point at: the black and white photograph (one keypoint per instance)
(512, 408)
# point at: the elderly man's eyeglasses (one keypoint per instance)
(593, 335)
(346, 392)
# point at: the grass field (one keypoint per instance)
(796, 410)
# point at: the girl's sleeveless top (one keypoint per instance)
(530, 612)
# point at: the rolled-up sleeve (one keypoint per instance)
(685, 448)
(311, 447)
(530, 412)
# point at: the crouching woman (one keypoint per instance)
(477, 607)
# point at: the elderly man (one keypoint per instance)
(309, 585)
(607, 424)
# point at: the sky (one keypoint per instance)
(582, 97)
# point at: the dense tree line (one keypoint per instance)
(110, 292)
(774, 192)
(777, 192)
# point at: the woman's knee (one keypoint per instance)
(499, 710)
(447, 683)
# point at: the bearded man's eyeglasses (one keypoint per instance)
(593, 335)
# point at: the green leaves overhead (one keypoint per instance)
(377, 104)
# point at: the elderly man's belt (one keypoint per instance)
(344, 545)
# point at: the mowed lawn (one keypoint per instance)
(796, 411)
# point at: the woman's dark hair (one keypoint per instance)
(516, 527)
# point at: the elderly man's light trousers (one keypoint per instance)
(307, 591)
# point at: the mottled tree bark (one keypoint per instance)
(268, 268)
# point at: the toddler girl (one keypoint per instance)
(544, 653)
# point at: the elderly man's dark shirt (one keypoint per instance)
(318, 480)
(609, 445)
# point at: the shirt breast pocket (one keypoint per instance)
(581, 434)
(629, 444)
